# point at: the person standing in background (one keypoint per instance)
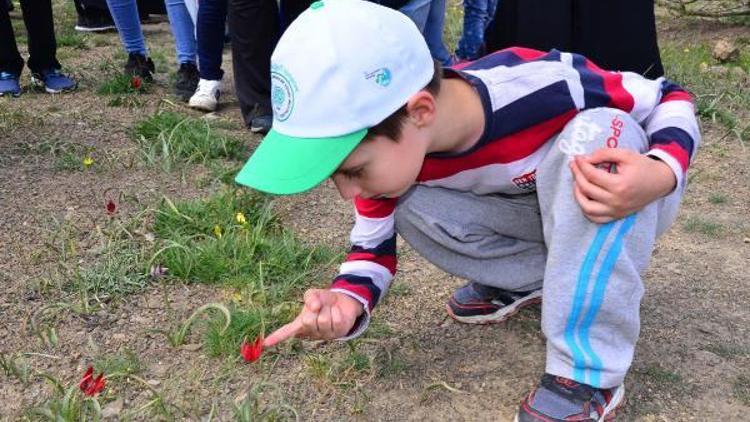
(615, 34)
(212, 15)
(45, 69)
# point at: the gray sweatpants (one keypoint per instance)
(591, 273)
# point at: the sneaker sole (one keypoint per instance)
(203, 106)
(501, 315)
(10, 94)
(255, 129)
(618, 400)
(38, 83)
(97, 29)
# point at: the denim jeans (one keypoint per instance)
(477, 17)
(127, 21)
(212, 15)
(125, 15)
(429, 16)
(183, 31)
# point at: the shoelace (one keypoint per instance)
(4, 76)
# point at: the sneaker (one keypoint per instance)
(476, 303)
(94, 23)
(53, 81)
(140, 65)
(187, 81)
(9, 84)
(261, 123)
(561, 399)
(206, 97)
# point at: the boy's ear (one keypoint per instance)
(421, 108)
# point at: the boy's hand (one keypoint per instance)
(605, 196)
(326, 315)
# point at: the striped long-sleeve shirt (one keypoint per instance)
(528, 97)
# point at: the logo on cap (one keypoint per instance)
(381, 76)
(283, 88)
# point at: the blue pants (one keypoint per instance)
(127, 21)
(212, 15)
(429, 15)
(477, 17)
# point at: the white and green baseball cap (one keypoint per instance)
(340, 68)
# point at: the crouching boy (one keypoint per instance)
(534, 176)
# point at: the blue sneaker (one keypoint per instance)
(53, 81)
(559, 399)
(9, 84)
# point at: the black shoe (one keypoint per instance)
(94, 23)
(140, 65)
(261, 123)
(187, 81)
(476, 303)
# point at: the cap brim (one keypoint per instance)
(285, 165)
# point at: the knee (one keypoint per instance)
(601, 128)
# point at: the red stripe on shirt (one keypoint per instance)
(357, 289)
(501, 151)
(526, 53)
(387, 261)
(677, 96)
(619, 97)
(675, 150)
(375, 208)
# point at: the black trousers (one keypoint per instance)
(615, 34)
(254, 26)
(37, 16)
(92, 8)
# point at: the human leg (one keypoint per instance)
(592, 287)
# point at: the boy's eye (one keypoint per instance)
(355, 173)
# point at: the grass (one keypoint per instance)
(233, 239)
(124, 363)
(717, 198)
(663, 378)
(120, 84)
(700, 225)
(168, 138)
(719, 97)
(741, 389)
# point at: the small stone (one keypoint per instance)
(738, 72)
(718, 70)
(153, 383)
(191, 347)
(113, 410)
(746, 240)
(726, 51)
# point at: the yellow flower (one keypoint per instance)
(88, 161)
(687, 50)
(217, 231)
(237, 297)
(240, 217)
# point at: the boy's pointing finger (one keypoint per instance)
(284, 333)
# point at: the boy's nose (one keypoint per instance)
(347, 188)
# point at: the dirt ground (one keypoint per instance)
(692, 360)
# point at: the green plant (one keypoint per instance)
(258, 405)
(167, 138)
(121, 84)
(700, 225)
(68, 405)
(177, 337)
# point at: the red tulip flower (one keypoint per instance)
(111, 207)
(252, 352)
(136, 82)
(92, 386)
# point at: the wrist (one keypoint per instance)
(664, 176)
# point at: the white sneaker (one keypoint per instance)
(206, 97)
